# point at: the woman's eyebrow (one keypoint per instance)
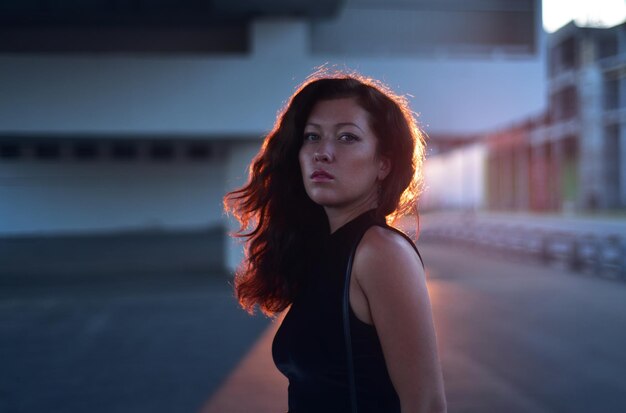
(338, 124)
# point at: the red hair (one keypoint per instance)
(279, 222)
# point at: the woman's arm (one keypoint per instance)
(390, 274)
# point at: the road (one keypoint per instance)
(514, 336)
(130, 343)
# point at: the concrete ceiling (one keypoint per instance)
(156, 12)
(209, 12)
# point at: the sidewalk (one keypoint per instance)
(255, 385)
(583, 243)
(600, 225)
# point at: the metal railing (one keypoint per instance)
(585, 253)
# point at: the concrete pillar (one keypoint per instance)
(497, 179)
(512, 179)
(569, 173)
(621, 126)
(491, 178)
(522, 201)
(622, 160)
(539, 177)
(621, 41)
(239, 158)
(556, 178)
(593, 191)
(505, 179)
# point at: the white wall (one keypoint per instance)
(234, 96)
(106, 196)
(455, 179)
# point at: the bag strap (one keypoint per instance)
(346, 326)
(346, 308)
(405, 236)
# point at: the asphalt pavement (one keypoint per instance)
(133, 343)
(514, 336)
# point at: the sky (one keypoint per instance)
(604, 13)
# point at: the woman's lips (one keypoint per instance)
(321, 176)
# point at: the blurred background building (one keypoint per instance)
(570, 157)
(121, 119)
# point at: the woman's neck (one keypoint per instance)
(339, 217)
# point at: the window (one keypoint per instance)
(47, 150)
(162, 151)
(124, 151)
(10, 150)
(199, 151)
(85, 151)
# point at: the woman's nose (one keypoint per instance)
(319, 156)
(323, 153)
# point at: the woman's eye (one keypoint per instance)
(310, 137)
(347, 137)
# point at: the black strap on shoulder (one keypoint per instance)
(346, 326)
(407, 238)
(346, 309)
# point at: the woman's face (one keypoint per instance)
(339, 161)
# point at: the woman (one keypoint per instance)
(344, 156)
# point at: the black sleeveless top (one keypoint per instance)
(309, 347)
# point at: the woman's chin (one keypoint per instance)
(324, 200)
(322, 196)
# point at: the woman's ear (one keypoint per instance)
(384, 167)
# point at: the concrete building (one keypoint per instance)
(572, 157)
(118, 117)
(587, 88)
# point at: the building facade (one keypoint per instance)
(573, 156)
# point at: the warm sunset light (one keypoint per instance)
(594, 13)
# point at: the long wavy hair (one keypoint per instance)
(278, 221)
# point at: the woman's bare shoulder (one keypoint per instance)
(385, 249)
(393, 280)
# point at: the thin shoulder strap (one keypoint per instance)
(346, 326)
(405, 237)
(346, 308)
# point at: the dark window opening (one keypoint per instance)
(47, 150)
(563, 56)
(607, 47)
(10, 150)
(611, 94)
(564, 104)
(199, 151)
(124, 151)
(568, 53)
(162, 151)
(570, 147)
(85, 151)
